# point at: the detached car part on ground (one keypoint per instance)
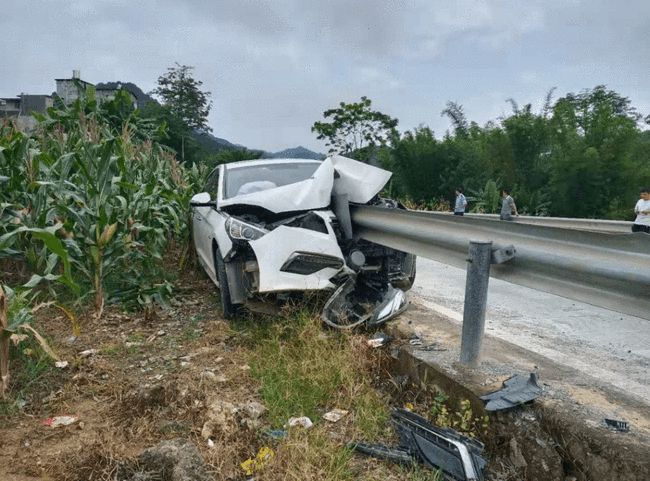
(457, 456)
(270, 228)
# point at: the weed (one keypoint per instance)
(135, 337)
(113, 350)
(419, 473)
(32, 372)
(300, 369)
(371, 414)
(311, 455)
(461, 419)
(191, 332)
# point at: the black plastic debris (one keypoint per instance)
(395, 454)
(516, 390)
(457, 456)
(622, 426)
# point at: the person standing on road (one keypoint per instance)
(508, 206)
(642, 211)
(461, 202)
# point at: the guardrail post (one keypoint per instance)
(476, 289)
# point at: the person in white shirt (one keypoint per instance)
(461, 202)
(642, 211)
(508, 206)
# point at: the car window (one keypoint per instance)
(212, 184)
(256, 178)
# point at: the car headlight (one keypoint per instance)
(238, 230)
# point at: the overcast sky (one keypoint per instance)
(273, 67)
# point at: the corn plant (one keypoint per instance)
(111, 197)
(89, 203)
(15, 326)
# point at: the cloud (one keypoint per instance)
(274, 66)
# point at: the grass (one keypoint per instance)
(32, 370)
(191, 332)
(303, 370)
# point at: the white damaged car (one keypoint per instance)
(264, 229)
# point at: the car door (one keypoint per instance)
(203, 231)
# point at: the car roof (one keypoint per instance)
(252, 163)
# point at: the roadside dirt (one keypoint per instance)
(173, 388)
(148, 378)
(166, 396)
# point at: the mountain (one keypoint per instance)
(214, 144)
(211, 143)
(208, 141)
(299, 152)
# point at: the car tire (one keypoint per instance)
(409, 269)
(228, 309)
(413, 272)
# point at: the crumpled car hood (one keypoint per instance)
(361, 182)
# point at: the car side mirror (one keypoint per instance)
(202, 200)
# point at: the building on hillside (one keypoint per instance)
(105, 94)
(70, 89)
(20, 108)
(35, 103)
(25, 104)
(9, 107)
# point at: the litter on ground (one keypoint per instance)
(302, 421)
(334, 415)
(378, 340)
(253, 465)
(57, 421)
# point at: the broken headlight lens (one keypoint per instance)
(238, 230)
(306, 263)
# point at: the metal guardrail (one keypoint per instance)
(597, 225)
(610, 270)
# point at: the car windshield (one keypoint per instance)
(247, 180)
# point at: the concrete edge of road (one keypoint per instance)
(571, 410)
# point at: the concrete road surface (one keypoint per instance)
(612, 347)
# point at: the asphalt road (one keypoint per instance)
(613, 347)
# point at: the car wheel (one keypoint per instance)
(229, 309)
(413, 270)
(408, 270)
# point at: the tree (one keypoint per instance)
(594, 134)
(528, 133)
(354, 127)
(457, 116)
(181, 93)
(185, 107)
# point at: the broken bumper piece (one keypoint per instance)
(516, 391)
(457, 456)
(353, 304)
